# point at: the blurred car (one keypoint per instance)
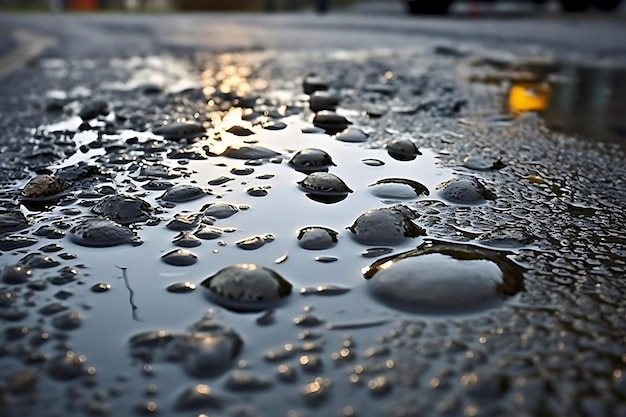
(442, 6)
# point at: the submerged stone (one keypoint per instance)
(179, 130)
(182, 193)
(247, 287)
(220, 209)
(182, 222)
(98, 232)
(331, 122)
(180, 257)
(444, 278)
(249, 152)
(386, 226)
(465, 191)
(324, 183)
(12, 221)
(402, 150)
(123, 209)
(398, 188)
(317, 238)
(203, 352)
(311, 160)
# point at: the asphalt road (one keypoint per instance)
(501, 136)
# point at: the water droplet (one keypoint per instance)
(386, 226)
(444, 278)
(247, 287)
(180, 257)
(317, 238)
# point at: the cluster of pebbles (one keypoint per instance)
(443, 263)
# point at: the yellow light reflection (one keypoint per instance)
(528, 97)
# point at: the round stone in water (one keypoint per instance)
(398, 188)
(465, 191)
(220, 210)
(247, 287)
(122, 209)
(311, 160)
(324, 183)
(182, 193)
(317, 238)
(99, 232)
(402, 150)
(180, 257)
(386, 226)
(444, 278)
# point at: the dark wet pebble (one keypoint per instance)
(313, 83)
(326, 259)
(402, 150)
(352, 135)
(373, 162)
(242, 171)
(386, 226)
(179, 130)
(465, 191)
(324, 183)
(308, 320)
(317, 238)
(220, 180)
(186, 239)
(67, 366)
(180, 257)
(203, 352)
(38, 260)
(313, 130)
(13, 313)
(198, 397)
(331, 122)
(375, 252)
(52, 308)
(101, 287)
(16, 274)
(220, 210)
(123, 209)
(146, 408)
(254, 242)
(63, 295)
(482, 163)
(274, 126)
(182, 193)
(240, 131)
(324, 289)
(99, 232)
(12, 221)
(7, 297)
(398, 188)
(310, 160)
(181, 287)
(93, 109)
(384, 89)
(184, 155)
(182, 222)
(247, 381)
(258, 191)
(208, 232)
(68, 321)
(157, 185)
(49, 232)
(445, 278)
(247, 287)
(43, 187)
(322, 100)
(9, 243)
(53, 247)
(249, 152)
(64, 276)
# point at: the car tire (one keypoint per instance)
(574, 5)
(606, 5)
(428, 6)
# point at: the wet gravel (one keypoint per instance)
(519, 232)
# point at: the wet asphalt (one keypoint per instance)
(540, 212)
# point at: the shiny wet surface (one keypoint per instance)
(118, 330)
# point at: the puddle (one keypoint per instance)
(577, 100)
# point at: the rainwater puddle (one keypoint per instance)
(133, 305)
(573, 99)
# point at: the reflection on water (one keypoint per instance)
(573, 99)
